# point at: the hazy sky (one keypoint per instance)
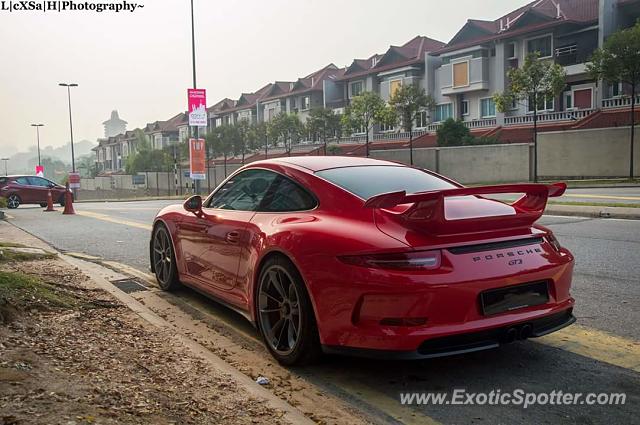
(140, 62)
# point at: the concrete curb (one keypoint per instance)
(593, 211)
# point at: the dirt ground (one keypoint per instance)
(70, 354)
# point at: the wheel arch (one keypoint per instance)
(157, 223)
(256, 277)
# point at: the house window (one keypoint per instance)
(460, 74)
(305, 103)
(443, 112)
(541, 44)
(464, 107)
(293, 103)
(394, 86)
(487, 108)
(218, 122)
(422, 119)
(386, 127)
(568, 100)
(615, 90)
(511, 51)
(356, 88)
(544, 104)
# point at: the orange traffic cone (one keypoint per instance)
(68, 202)
(49, 202)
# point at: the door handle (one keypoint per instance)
(233, 237)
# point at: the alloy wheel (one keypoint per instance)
(13, 201)
(162, 257)
(279, 309)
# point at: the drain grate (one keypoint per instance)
(129, 286)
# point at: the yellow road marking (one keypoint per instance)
(110, 219)
(597, 345)
(623, 198)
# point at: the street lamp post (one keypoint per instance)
(6, 173)
(37, 126)
(73, 158)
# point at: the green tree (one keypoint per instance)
(408, 101)
(285, 128)
(87, 166)
(258, 137)
(366, 111)
(333, 149)
(619, 61)
(221, 142)
(455, 133)
(243, 131)
(146, 158)
(323, 123)
(537, 81)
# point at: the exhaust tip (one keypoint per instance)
(525, 331)
(511, 335)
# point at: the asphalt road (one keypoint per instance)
(600, 195)
(606, 287)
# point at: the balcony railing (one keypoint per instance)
(619, 102)
(549, 117)
(403, 135)
(434, 127)
(485, 122)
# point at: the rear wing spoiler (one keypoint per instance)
(430, 206)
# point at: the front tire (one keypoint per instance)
(13, 202)
(164, 260)
(285, 314)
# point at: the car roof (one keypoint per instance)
(319, 163)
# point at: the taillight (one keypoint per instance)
(415, 260)
(553, 241)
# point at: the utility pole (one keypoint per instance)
(6, 173)
(73, 158)
(37, 126)
(195, 85)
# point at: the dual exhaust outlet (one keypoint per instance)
(518, 332)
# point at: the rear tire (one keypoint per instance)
(285, 314)
(61, 200)
(13, 201)
(164, 260)
(43, 205)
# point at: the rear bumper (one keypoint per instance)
(466, 342)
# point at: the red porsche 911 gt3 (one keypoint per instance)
(369, 257)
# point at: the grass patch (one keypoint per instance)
(21, 290)
(12, 245)
(7, 255)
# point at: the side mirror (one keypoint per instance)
(51, 185)
(193, 204)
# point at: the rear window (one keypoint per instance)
(3, 181)
(372, 180)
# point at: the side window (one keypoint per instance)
(286, 195)
(244, 192)
(23, 181)
(38, 181)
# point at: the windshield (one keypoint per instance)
(372, 180)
